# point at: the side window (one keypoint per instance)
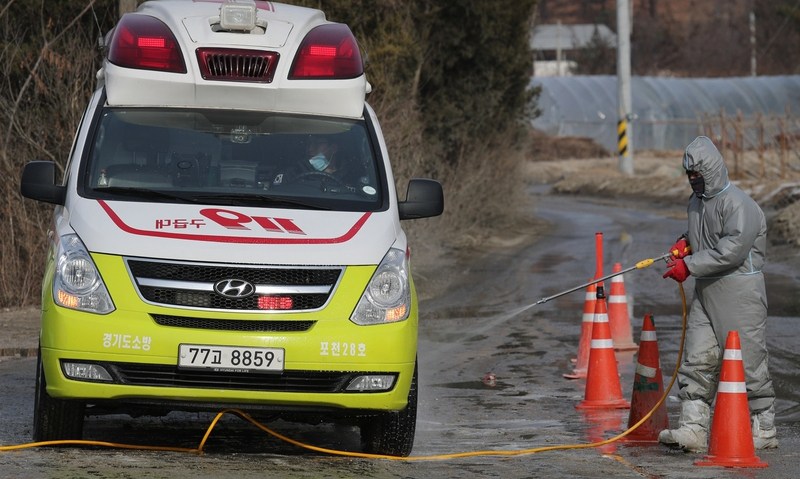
(81, 125)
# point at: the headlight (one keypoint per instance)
(77, 283)
(387, 297)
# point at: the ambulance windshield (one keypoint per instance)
(233, 157)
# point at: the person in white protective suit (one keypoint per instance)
(724, 250)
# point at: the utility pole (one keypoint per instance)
(624, 130)
(753, 71)
(558, 48)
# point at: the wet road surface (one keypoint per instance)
(483, 325)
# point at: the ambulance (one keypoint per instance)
(227, 232)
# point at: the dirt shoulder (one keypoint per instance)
(19, 331)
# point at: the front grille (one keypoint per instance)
(227, 64)
(191, 285)
(212, 272)
(287, 381)
(232, 324)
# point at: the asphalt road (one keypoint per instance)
(484, 324)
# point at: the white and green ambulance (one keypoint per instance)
(204, 255)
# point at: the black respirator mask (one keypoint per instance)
(698, 185)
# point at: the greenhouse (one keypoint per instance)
(669, 112)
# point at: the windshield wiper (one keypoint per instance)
(263, 200)
(146, 192)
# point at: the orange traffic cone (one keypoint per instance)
(618, 313)
(648, 387)
(731, 442)
(582, 361)
(603, 389)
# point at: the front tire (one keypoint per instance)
(392, 433)
(54, 419)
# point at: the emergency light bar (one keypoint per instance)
(328, 51)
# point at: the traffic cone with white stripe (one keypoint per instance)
(648, 387)
(731, 442)
(618, 313)
(582, 361)
(603, 389)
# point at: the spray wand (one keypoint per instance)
(640, 265)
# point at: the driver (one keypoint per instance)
(320, 163)
(321, 151)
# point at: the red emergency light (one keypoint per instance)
(145, 43)
(327, 52)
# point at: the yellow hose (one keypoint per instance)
(433, 457)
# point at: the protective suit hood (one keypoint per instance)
(702, 156)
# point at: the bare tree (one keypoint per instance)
(40, 107)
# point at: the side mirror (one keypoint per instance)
(424, 198)
(39, 183)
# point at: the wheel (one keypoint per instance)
(54, 419)
(392, 433)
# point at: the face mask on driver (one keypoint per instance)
(319, 162)
(698, 185)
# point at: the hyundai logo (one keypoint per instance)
(234, 288)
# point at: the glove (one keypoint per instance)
(677, 270)
(681, 248)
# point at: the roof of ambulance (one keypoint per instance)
(190, 21)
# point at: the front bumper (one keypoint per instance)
(141, 353)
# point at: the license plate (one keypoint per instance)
(230, 358)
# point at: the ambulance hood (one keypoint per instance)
(235, 234)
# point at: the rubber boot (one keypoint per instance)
(692, 432)
(764, 432)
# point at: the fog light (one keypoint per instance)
(372, 382)
(86, 372)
